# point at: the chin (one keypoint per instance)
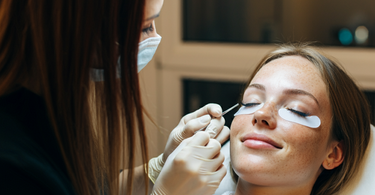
(263, 174)
(258, 179)
(254, 172)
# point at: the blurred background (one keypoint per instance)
(333, 22)
(210, 47)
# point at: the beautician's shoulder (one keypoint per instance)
(28, 164)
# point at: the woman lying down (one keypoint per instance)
(303, 127)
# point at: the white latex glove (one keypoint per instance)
(209, 115)
(195, 167)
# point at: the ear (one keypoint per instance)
(335, 156)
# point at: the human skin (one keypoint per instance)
(299, 153)
(152, 11)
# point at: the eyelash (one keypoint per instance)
(299, 113)
(148, 29)
(249, 104)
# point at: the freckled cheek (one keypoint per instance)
(304, 144)
(240, 124)
(325, 127)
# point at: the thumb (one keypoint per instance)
(194, 125)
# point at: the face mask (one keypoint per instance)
(146, 50)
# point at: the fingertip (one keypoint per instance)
(200, 138)
(226, 129)
(222, 171)
(222, 120)
(205, 119)
(221, 157)
(215, 147)
(214, 143)
(215, 110)
(223, 136)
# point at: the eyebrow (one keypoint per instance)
(258, 86)
(153, 17)
(299, 92)
(287, 91)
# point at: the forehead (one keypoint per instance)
(153, 7)
(292, 72)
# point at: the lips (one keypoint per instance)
(254, 140)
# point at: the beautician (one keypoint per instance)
(71, 118)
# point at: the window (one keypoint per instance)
(333, 22)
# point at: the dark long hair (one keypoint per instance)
(54, 44)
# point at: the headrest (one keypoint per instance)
(362, 183)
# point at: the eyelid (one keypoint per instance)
(148, 29)
(295, 109)
(147, 25)
(299, 113)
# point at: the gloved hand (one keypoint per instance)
(209, 115)
(195, 167)
(189, 124)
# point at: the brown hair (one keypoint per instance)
(351, 114)
(56, 43)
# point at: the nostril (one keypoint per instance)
(265, 122)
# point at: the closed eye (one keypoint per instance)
(249, 104)
(298, 113)
(148, 29)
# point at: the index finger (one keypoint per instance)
(200, 139)
(213, 110)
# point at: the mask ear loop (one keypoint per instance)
(97, 75)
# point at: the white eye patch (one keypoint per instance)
(248, 110)
(309, 121)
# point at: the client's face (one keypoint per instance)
(267, 149)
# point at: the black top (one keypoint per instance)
(30, 158)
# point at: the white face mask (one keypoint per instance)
(146, 50)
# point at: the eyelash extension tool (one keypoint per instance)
(229, 109)
(222, 114)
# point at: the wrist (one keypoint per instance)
(155, 165)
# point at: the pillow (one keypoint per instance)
(362, 183)
(227, 184)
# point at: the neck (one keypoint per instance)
(245, 188)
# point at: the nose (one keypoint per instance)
(265, 116)
(153, 33)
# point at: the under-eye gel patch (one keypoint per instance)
(248, 110)
(309, 121)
